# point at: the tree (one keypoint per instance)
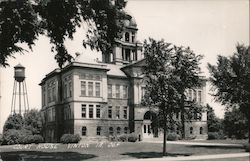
(161, 91)
(23, 21)
(235, 123)
(230, 79)
(214, 124)
(14, 121)
(187, 70)
(33, 121)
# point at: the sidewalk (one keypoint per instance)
(196, 157)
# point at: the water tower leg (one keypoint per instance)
(20, 97)
(26, 95)
(24, 100)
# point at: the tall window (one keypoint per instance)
(201, 130)
(97, 89)
(143, 92)
(118, 131)
(127, 36)
(49, 95)
(125, 130)
(83, 88)
(117, 90)
(109, 91)
(191, 130)
(195, 95)
(70, 89)
(127, 54)
(117, 112)
(98, 111)
(133, 36)
(134, 55)
(91, 111)
(44, 95)
(98, 130)
(53, 93)
(125, 112)
(190, 94)
(110, 112)
(125, 92)
(111, 131)
(199, 96)
(83, 111)
(90, 88)
(53, 114)
(65, 90)
(84, 131)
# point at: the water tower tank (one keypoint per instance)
(19, 73)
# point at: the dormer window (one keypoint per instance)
(127, 37)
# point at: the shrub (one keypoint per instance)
(28, 139)
(215, 135)
(70, 138)
(38, 139)
(1, 139)
(172, 137)
(247, 147)
(132, 137)
(123, 137)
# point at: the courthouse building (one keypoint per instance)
(99, 99)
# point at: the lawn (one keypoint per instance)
(225, 141)
(105, 152)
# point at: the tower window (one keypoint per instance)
(133, 36)
(127, 36)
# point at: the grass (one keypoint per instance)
(225, 141)
(228, 159)
(107, 152)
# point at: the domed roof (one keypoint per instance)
(19, 66)
(132, 22)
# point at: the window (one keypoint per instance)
(111, 131)
(90, 88)
(133, 36)
(143, 92)
(53, 114)
(195, 95)
(109, 91)
(110, 112)
(53, 93)
(177, 115)
(117, 112)
(190, 94)
(191, 130)
(125, 130)
(117, 91)
(84, 131)
(98, 111)
(83, 88)
(70, 89)
(134, 55)
(118, 131)
(201, 130)
(125, 92)
(149, 129)
(98, 130)
(127, 36)
(65, 90)
(83, 111)
(44, 95)
(177, 131)
(91, 111)
(127, 54)
(97, 89)
(199, 96)
(125, 112)
(49, 95)
(145, 128)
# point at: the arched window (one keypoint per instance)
(125, 130)
(84, 131)
(127, 36)
(118, 130)
(201, 130)
(98, 130)
(191, 130)
(111, 131)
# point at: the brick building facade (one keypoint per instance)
(99, 99)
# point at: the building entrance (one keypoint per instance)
(147, 130)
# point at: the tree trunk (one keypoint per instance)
(164, 140)
(182, 117)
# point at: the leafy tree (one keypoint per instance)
(33, 121)
(161, 90)
(187, 71)
(230, 79)
(214, 124)
(235, 123)
(23, 21)
(14, 121)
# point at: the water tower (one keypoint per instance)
(20, 91)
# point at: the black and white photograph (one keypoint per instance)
(125, 80)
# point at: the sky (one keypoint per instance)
(208, 27)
